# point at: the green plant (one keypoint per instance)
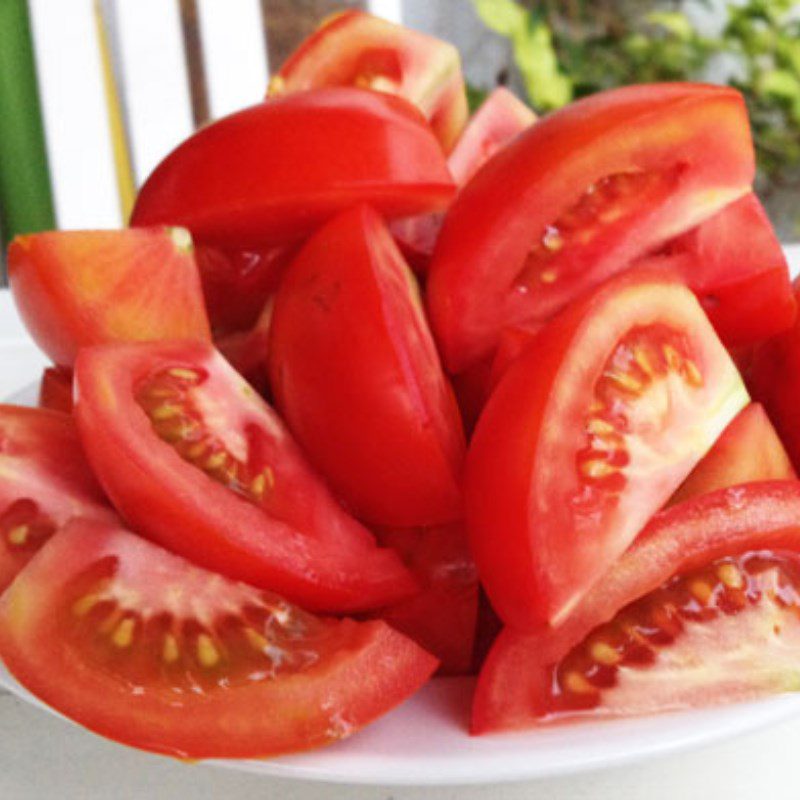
(570, 48)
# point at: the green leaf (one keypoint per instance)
(546, 85)
(674, 22)
(780, 83)
(502, 16)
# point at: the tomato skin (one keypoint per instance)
(354, 48)
(369, 404)
(328, 149)
(74, 289)
(669, 130)
(367, 670)
(748, 450)
(756, 516)
(42, 463)
(310, 549)
(736, 266)
(536, 547)
(442, 616)
(55, 390)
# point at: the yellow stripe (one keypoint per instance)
(126, 187)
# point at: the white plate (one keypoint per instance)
(424, 742)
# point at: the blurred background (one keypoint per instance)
(93, 93)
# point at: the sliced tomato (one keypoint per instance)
(702, 609)
(587, 435)
(44, 482)
(195, 460)
(147, 649)
(272, 173)
(500, 118)
(748, 450)
(578, 197)
(79, 288)
(442, 616)
(247, 351)
(774, 379)
(368, 402)
(736, 266)
(358, 49)
(237, 284)
(55, 390)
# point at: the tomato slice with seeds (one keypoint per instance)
(358, 49)
(577, 198)
(328, 149)
(442, 616)
(143, 647)
(74, 289)
(193, 458)
(748, 450)
(55, 390)
(587, 435)
(44, 482)
(702, 609)
(369, 403)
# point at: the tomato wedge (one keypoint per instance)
(78, 288)
(55, 390)
(143, 647)
(247, 351)
(358, 49)
(272, 173)
(442, 616)
(748, 450)
(369, 403)
(195, 460)
(736, 266)
(701, 609)
(587, 435)
(44, 482)
(577, 198)
(499, 119)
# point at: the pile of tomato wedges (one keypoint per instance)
(372, 388)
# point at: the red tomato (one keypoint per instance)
(774, 380)
(78, 288)
(246, 351)
(45, 482)
(273, 173)
(442, 616)
(736, 266)
(55, 390)
(195, 460)
(748, 450)
(357, 49)
(587, 435)
(143, 647)
(368, 402)
(238, 284)
(499, 119)
(702, 609)
(577, 198)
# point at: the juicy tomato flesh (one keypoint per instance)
(55, 390)
(151, 651)
(763, 586)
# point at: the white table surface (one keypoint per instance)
(42, 756)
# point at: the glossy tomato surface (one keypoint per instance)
(701, 609)
(499, 119)
(577, 198)
(78, 288)
(143, 647)
(272, 173)
(356, 375)
(55, 389)
(358, 49)
(587, 435)
(736, 266)
(442, 616)
(44, 482)
(194, 459)
(748, 450)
